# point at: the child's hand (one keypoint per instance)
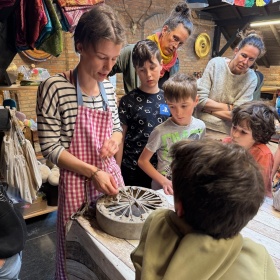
(167, 186)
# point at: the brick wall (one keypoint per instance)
(147, 21)
(67, 60)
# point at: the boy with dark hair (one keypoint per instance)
(180, 93)
(140, 112)
(253, 124)
(201, 239)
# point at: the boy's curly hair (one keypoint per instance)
(259, 117)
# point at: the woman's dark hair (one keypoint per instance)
(219, 185)
(99, 23)
(180, 14)
(252, 38)
(143, 51)
(259, 117)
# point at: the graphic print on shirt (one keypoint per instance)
(141, 113)
(169, 139)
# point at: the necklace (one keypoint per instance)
(93, 96)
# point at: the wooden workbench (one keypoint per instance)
(93, 254)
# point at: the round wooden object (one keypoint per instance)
(123, 215)
(202, 45)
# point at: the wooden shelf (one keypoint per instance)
(49, 209)
(17, 87)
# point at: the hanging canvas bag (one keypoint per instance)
(28, 153)
(22, 178)
(25, 157)
(18, 163)
(32, 163)
(7, 156)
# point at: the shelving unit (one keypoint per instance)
(28, 212)
(49, 209)
(17, 87)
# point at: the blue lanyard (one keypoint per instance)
(79, 91)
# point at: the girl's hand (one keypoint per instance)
(105, 183)
(109, 148)
(167, 186)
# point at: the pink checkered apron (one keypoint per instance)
(92, 128)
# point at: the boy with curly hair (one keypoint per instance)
(253, 124)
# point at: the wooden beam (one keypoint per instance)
(276, 34)
(216, 41)
(250, 19)
(232, 39)
(225, 33)
(216, 7)
(265, 61)
(237, 12)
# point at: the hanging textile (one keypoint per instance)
(72, 10)
(46, 30)
(69, 3)
(36, 22)
(60, 16)
(8, 35)
(239, 3)
(231, 2)
(72, 17)
(249, 3)
(7, 3)
(31, 19)
(260, 3)
(53, 44)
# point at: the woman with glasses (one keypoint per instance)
(174, 33)
(227, 83)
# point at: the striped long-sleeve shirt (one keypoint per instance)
(57, 109)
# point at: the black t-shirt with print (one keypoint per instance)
(141, 112)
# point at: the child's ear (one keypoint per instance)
(161, 64)
(179, 208)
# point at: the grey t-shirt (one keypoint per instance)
(168, 133)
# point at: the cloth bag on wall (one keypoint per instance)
(19, 164)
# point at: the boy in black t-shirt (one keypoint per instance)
(140, 112)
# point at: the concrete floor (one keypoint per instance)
(38, 258)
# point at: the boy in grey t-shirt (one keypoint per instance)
(180, 92)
